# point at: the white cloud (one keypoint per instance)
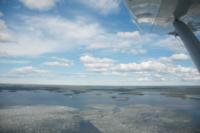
(139, 40)
(171, 43)
(143, 79)
(179, 57)
(58, 62)
(78, 29)
(103, 6)
(6, 61)
(90, 59)
(143, 66)
(42, 34)
(39, 4)
(154, 66)
(151, 69)
(191, 78)
(130, 35)
(31, 73)
(28, 71)
(123, 42)
(5, 35)
(97, 64)
(175, 57)
(38, 35)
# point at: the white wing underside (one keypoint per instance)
(160, 13)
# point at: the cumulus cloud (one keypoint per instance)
(58, 62)
(43, 34)
(5, 35)
(103, 6)
(27, 71)
(175, 57)
(171, 43)
(146, 69)
(40, 75)
(122, 42)
(39, 4)
(154, 66)
(179, 57)
(58, 34)
(97, 64)
(130, 35)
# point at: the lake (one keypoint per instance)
(99, 109)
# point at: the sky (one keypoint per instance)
(82, 42)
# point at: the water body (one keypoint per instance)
(99, 109)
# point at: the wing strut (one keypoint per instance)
(190, 41)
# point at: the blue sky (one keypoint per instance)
(82, 42)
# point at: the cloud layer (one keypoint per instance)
(57, 34)
(58, 62)
(145, 70)
(27, 71)
(103, 6)
(76, 41)
(39, 5)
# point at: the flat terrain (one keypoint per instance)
(99, 109)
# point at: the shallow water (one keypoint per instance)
(99, 109)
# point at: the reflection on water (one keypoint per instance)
(99, 109)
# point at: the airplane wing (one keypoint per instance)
(175, 17)
(160, 14)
